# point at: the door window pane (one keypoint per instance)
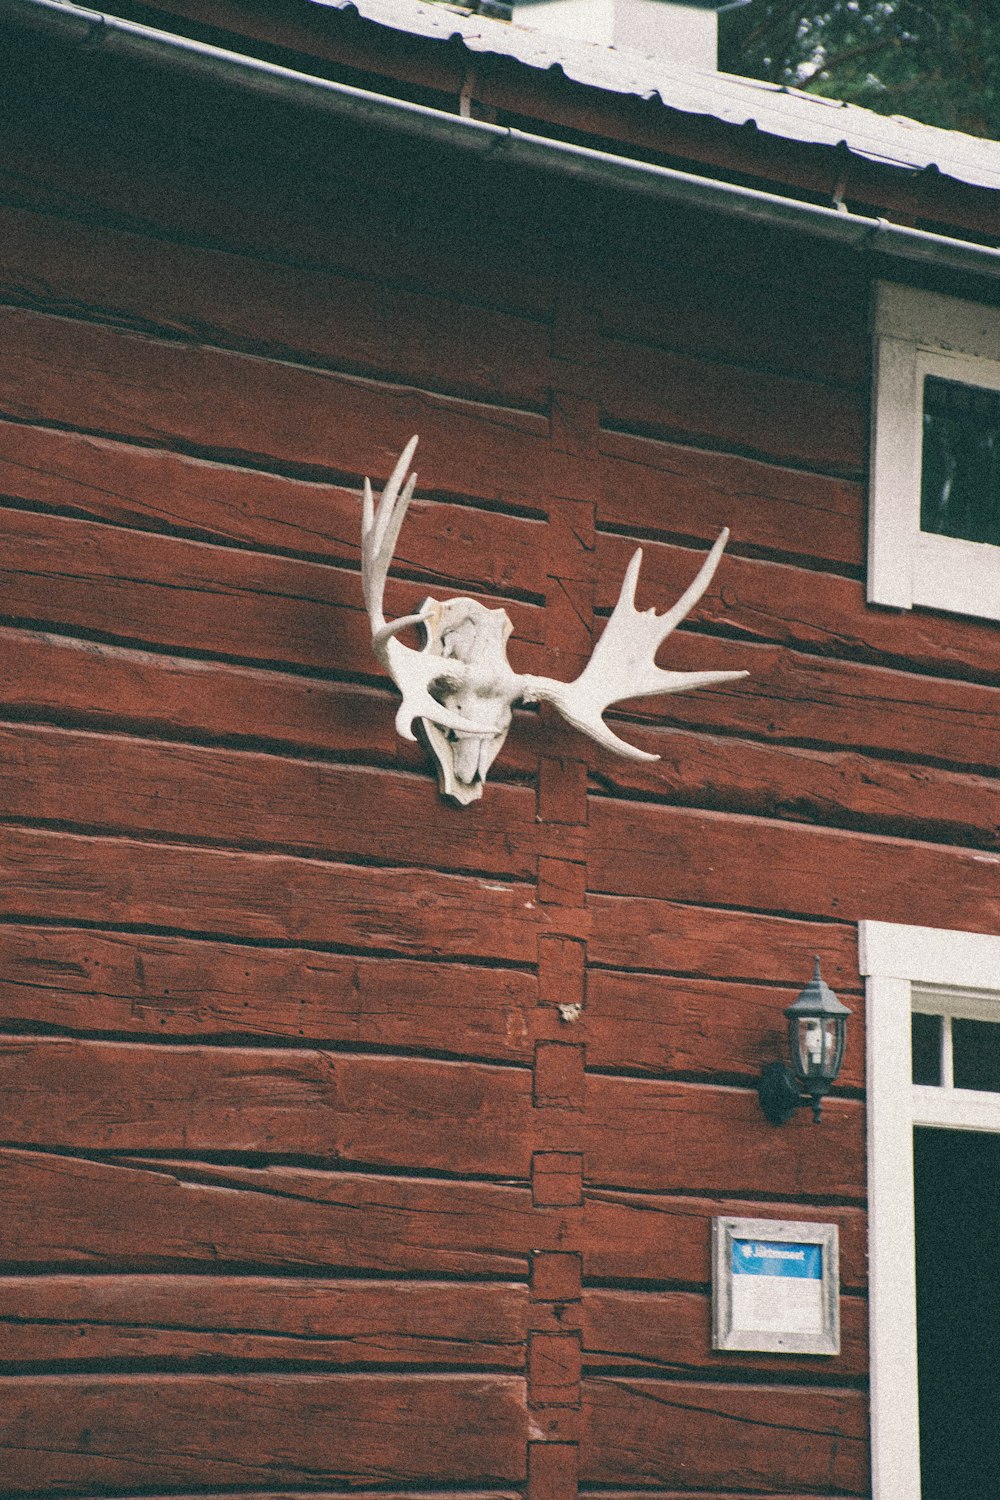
(926, 1049)
(960, 470)
(957, 1213)
(976, 1055)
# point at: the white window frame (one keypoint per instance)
(916, 334)
(907, 969)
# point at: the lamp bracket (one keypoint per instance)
(779, 1093)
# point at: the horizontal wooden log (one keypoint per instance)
(295, 1492)
(276, 898)
(76, 1319)
(845, 788)
(422, 233)
(692, 309)
(119, 384)
(235, 798)
(153, 489)
(724, 1437)
(772, 866)
(671, 1333)
(646, 1237)
(692, 1138)
(287, 311)
(657, 487)
(133, 1215)
(183, 594)
(645, 388)
(130, 1215)
(466, 1118)
(657, 1492)
(821, 613)
(56, 678)
(630, 932)
(641, 386)
(221, 1431)
(86, 981)
(793, 697)
(698, 1026)
(380, 1111)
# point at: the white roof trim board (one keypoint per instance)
(787, 113)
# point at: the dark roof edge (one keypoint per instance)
(79, 26)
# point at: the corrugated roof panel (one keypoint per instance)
(775, 110)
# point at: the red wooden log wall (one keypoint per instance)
(307, 1185)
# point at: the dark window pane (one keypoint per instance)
(957, 1211)
(960, 471)
(926, 1049)
(976, 1055)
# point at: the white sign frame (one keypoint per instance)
(729, 1326)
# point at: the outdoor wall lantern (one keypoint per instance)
(458, 685)
(817, 1031)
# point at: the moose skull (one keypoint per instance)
(459, 686)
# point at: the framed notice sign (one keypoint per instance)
(775, 1286)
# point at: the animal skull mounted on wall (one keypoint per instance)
(459, 684)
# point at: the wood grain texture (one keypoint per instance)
(199, 1319)
(154, 489)
(661, 1024)
(842, 788)
(645, 388)
(653, 488)
(119, 384)
(242, 799)
(773, 601)
(656, 1492)
(223, 1431)
(774, 867)
(676, 1137)
(378, 1111)
(428, 237)
(168, 591)
(412, 1113)
(145, 985)
(51, 677)
(282, 310)
(270, 897)
(666, 934)
(671, 1333)
(685, 312)
(647, 1237)
(127, 1214)
(789, 696)
(724, 1437)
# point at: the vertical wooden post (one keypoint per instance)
(559, 1083)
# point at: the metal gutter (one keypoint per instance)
(109, 34)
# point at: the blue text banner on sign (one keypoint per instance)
(777, 1258)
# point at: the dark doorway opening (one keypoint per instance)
(957, 1203)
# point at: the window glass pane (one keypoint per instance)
(960, 471)
(976, 1049)
(927, 1049)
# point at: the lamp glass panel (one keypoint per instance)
(817, 1046)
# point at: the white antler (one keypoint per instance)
(623, 664)
(462, 665)
(413, 672)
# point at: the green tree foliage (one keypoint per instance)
(938, 62)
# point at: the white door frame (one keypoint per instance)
(899, 963)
